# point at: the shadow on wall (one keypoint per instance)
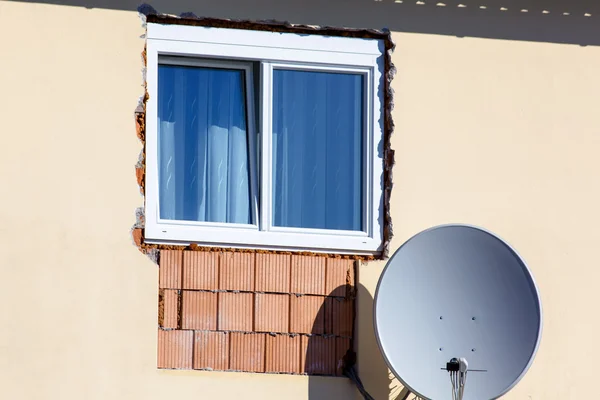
(557, 21)
(371, 367)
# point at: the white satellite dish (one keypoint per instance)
(456, 300)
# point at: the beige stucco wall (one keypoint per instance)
(496, 133)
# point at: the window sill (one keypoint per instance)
(262, 240)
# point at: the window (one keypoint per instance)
(263, 139)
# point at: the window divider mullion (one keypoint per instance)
(266, 163)
(250, 113)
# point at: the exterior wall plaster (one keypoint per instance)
(498, 133)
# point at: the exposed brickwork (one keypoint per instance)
(318, 355)
(307, 314)
(175, 349)
(198, 310)
(169, 272)
(170, 300)
(137, 235)
(342, 317)
(236, 271)
(211, 350)
(341, 347)
(139, 175)
(308, 275)
(200, 270)
(283, 354)
(336, 276)
(247, 352)
(273, 273)
(328, 317)
(272, 312)
(234, 311)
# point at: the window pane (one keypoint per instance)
(202, 145)
(317, 149)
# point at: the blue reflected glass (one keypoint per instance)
(317, 150)
(203, 164)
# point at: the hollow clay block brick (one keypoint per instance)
(200, 270)
(198, 310)
(247, 352)
(236, 271)
(339, 275)
(317, 355)
(273, 273)
(235, 312)
(170, 299)
(283, 354)
(343, 317)
(308, 275)
(342, 345)
(169, 272)
(175, 349)
(211, 350)
(271, 312)
(307, 314)
(328, 330)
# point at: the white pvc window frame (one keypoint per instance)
(241, 49)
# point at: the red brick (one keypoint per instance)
(342, 345)
(170, 308)
(236, 271)
(137, 236)
(351, 279)
(273, 273)
(200, 270)
(170, 269)
(211, 350)
(308, 275)
(317, 355)
(283, 354)
(139, 127)
(338, 276)
(235, 312)
(307, 314)
(198, 310)
(272, 312)
(175, 349)
(247, 352)
(139, 174)
(343, 317)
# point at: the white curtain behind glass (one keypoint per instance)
(202, 145)
(317, 149)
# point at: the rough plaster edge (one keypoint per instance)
(148, 14)
(161, 308)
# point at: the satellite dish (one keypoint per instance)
(456, 300)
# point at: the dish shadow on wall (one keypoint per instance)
(371, 367)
